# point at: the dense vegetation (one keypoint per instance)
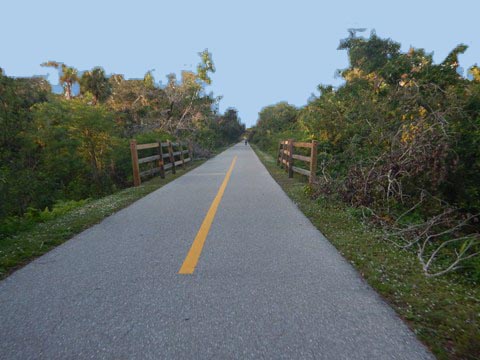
(55, 149)
(399, 140)
(443, 311)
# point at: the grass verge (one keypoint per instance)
(21, 248)
(443, 312)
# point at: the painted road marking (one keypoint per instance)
(193, 255)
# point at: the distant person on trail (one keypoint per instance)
(246, 141)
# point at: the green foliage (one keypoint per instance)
(76, 142)
(276, 122)
(16, 162)
(395, 111)
(208, 138)
(96, 83)
(369, 55)
(278, 117)
(205, 66)
(149, 80)
(229, 127)
(219, 131)
(401, 133)
(137, 104)
(153, 136)
(15, 224)
(55, 148)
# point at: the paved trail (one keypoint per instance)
(267, 284)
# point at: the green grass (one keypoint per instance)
(443, 312)
(22, 247)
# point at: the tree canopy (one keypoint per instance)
(75, 146)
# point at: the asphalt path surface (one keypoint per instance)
(267, 285)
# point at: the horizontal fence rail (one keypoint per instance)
(169, 156)
(286, 158)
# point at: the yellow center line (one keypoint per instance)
(193, 255)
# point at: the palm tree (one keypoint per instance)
(68, 76)
(96, 83)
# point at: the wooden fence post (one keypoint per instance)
(290, 158)
(172, 158)
(190, 150)
(181, 154)
(160, 161)
(135, 166)
(279, 152)
(313, 162)
(282, 164)
(287, 157)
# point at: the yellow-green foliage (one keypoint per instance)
(401, 133)
(76, 145)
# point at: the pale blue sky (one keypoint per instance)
(264, 51)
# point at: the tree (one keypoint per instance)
(68, 76)
(205, 66)
(474, 72)
(229, 126)
(17, 162)
(276, 118)
(138, 102)
(84, 135)
(189, 105)
(369, 54)
(96, 83)
(149, 80)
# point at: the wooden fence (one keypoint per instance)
(286, 158)
(168, 156)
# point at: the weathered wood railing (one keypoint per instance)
(169, 155)
(286, 157)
